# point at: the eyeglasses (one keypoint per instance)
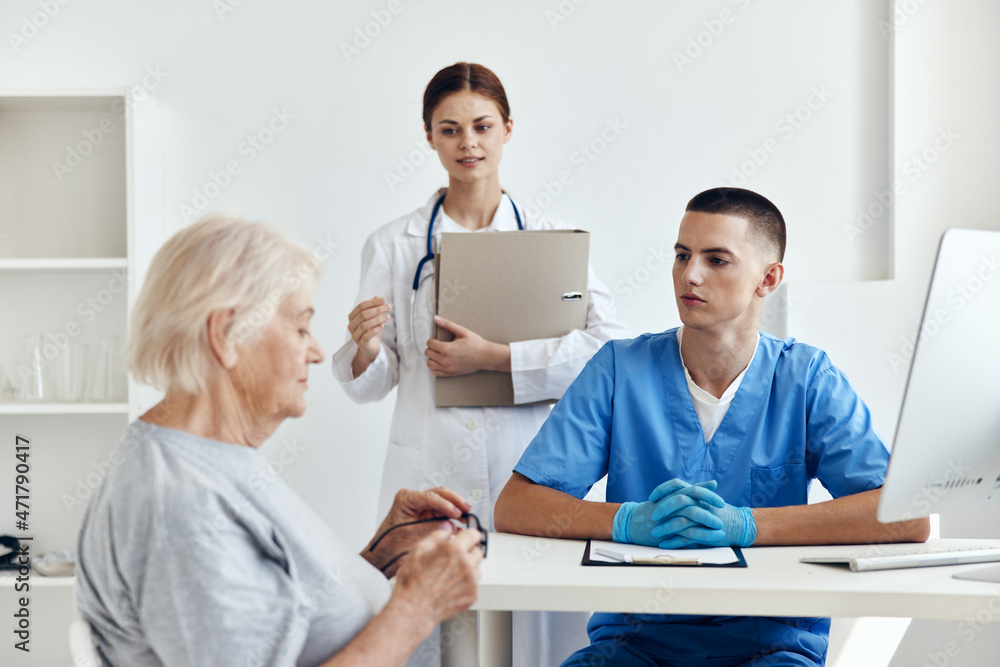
(467, 520)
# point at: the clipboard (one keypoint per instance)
(590, 557)
(507, 287)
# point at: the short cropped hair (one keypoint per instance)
(221, 262)
(765, 219)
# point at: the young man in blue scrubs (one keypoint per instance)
(710, 435)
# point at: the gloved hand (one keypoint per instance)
(655, 520)
(711, 522)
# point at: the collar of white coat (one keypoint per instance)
(504, 219)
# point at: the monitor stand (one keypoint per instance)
(991, 574)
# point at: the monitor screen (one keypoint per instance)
(946, 454)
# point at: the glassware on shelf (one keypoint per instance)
(71, 372)
(7, 389)
(102, 384)
(34, 372)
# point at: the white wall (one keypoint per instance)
(946, 69)
(793, 99)
(220, 78)
(947, 65)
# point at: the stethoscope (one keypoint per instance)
(430, 255)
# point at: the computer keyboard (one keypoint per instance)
(864, 558)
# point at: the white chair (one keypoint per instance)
(81, 645)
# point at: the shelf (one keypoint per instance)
(9, 577)
(63, 265)
(34, 100)
(63, 408)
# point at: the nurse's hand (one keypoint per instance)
(728, 526)
(366, 323)
(652, 522)
(468, 353)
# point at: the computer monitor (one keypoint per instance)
(946, 454)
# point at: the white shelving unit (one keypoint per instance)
(65, 265)
(64, 408)
(64, 229)
(76, 169)
(64, 240)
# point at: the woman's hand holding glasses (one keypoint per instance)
(439, 578)
(413, 516)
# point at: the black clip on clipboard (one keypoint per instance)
(644, 562)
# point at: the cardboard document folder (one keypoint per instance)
(508, 287)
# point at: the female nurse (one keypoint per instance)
(469, 449)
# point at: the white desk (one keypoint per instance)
(529, 573)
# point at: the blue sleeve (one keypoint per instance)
(570, 452)
(843, 449)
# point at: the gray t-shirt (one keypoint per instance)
(193, 552)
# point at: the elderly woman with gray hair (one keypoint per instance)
(192, 552)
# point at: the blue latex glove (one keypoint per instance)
(655, 520)
(690, 525)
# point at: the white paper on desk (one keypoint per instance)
(712, 556)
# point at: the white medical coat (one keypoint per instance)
(471, 450)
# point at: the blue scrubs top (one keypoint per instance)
(630, 415)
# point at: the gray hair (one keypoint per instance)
(221, 262)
